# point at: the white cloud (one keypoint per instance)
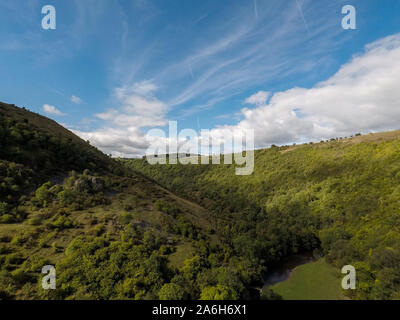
(142, 88)
(362, 96)
(76, 99)
(52, 110)
(258, 98)
(139, 107)
(122, 135)
(117, 141)
(255, 52)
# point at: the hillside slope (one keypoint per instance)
(340, 198)
(110, 232)
(45, 146)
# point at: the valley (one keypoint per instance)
(125, 229)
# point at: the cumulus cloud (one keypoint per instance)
(258, 98)
(119, 142)
(138, 108)
(363, 96)
(76, 99)
(52, 110)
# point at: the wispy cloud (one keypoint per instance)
(76, 99)
(250, 53)
(255, 9)
(200, 18)
(361, 97)
(302, 16)
(49, 109)
(226, 58)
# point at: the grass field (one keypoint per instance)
(312, 281)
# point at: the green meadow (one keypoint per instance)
(316, 280)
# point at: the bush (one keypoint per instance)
(218, 292)
(165, 249)
(97, 230)
(269, 294)
(35, 221)
(126, 217)
(63, 222)
(128, 207)
(7, 218)
(43, 195)
(14, 258)
(3, 208)
(20, 277)
(18, 240)
(171, 291)
(66, 197)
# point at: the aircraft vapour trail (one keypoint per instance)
(302, 16)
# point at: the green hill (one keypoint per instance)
(110, 232)
(114, 229)
(45, 146)
(340, 198)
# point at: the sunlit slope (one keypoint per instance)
(44, 146)
(345, 192)
(110, 232)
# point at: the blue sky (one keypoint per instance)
(112, 69)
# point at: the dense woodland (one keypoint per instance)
(339, 198)
(110, 232)
(114, 229)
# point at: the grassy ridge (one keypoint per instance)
(340, 197)
(110, 232)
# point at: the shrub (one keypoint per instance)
(128, 207)
(18, 240)
(269, 294)
(20, 277)
(3, 208)
(171, 291)
(97, 230)
(66, 197)
(14, 258)
(35, 221)
(43, 195)
(126, 217)
(7, 218)
(218, 292)
(166, 249)
(63, 222)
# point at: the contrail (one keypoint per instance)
(190, 69)
(201, 18)
(302, 16)
(255, 9)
